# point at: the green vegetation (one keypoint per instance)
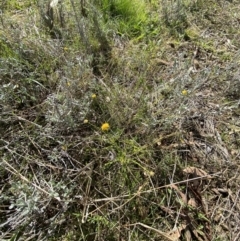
(119, 120)
(129, 16)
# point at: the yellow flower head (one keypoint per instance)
(151, 173)
(85, 121)
(184, 92)
(94, 96)
(105, 127)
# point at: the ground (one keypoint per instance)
(120, 120)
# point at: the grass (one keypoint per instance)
(119, 124)
(127, 15)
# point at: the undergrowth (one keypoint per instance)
(119, 120)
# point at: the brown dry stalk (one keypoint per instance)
(154, 189)
(163, 234)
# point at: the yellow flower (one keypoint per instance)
(85, 121)
(94, 96)
(65, 48)
(68, 83)
(151, 173)
(184, 92)
(105, 127)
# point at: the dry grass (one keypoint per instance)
(166, 167)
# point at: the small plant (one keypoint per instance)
(175, 16)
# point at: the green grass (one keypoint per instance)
(162, 77)
(129, 16)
